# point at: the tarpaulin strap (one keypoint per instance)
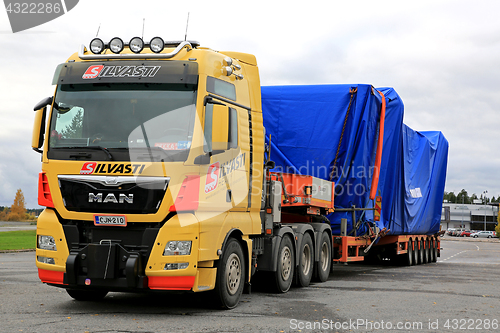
(380, 144)
(352, 91)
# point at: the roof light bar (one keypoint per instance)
(136, 45)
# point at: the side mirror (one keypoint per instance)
(39, 124)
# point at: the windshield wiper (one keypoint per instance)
(90, 147)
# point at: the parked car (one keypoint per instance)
(449, 231)
(484, 234)
(458, 232)
(465, 233)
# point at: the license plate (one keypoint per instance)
(114, 220)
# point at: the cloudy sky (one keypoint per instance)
(441, 56)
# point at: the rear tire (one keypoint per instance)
(87, 295)
(324, 264)
(283, 277)
(306, 261)
(230, 275)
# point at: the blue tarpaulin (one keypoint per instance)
(331, 132)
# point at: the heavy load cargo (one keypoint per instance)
(331, 132)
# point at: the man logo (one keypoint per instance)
(212, 177)
(92, 72)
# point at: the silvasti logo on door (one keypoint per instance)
(24, 15)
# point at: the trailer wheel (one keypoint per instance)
(306, 261)
(434, 250)
(409, 254)
(230, 275)
(286, 263)
(421, 251)
(87, 295)
(324, 263)
(414, 252)
(426, 251)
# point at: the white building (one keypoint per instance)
(470, 217)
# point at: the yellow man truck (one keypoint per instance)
(158, 175)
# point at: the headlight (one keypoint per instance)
(46, 243)
(177, 248)
(136, 44)
(46, 260)
(116, 45)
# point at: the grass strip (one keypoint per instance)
(18, 240)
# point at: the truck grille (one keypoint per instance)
(113, 194)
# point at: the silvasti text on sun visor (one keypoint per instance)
(132, 71)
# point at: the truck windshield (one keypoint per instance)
(126, 120)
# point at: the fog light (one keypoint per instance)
(116, 45)
(96, 46)
(46, 243)
(177, 248)
(156, 45)
(46, 260)
(136, 44)
(175, 266)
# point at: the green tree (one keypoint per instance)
(463, 197)
(450, 196)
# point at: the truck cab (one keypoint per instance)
(152, 166)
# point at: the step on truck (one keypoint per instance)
(158, 174)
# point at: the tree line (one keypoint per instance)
(464, 198)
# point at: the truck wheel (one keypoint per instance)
(306, 261)
(230, 275)
(286, 263)
(324, 263)
(87, 295)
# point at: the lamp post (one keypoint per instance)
(484, 195)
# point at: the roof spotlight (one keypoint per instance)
(156, 44)
(136, 44)
(96, 45)
(116, 45)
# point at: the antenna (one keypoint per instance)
(143, 21)
(99, 28)
(187, 23)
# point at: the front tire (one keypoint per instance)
(283, 276)
(87, 295)
(230, 275)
